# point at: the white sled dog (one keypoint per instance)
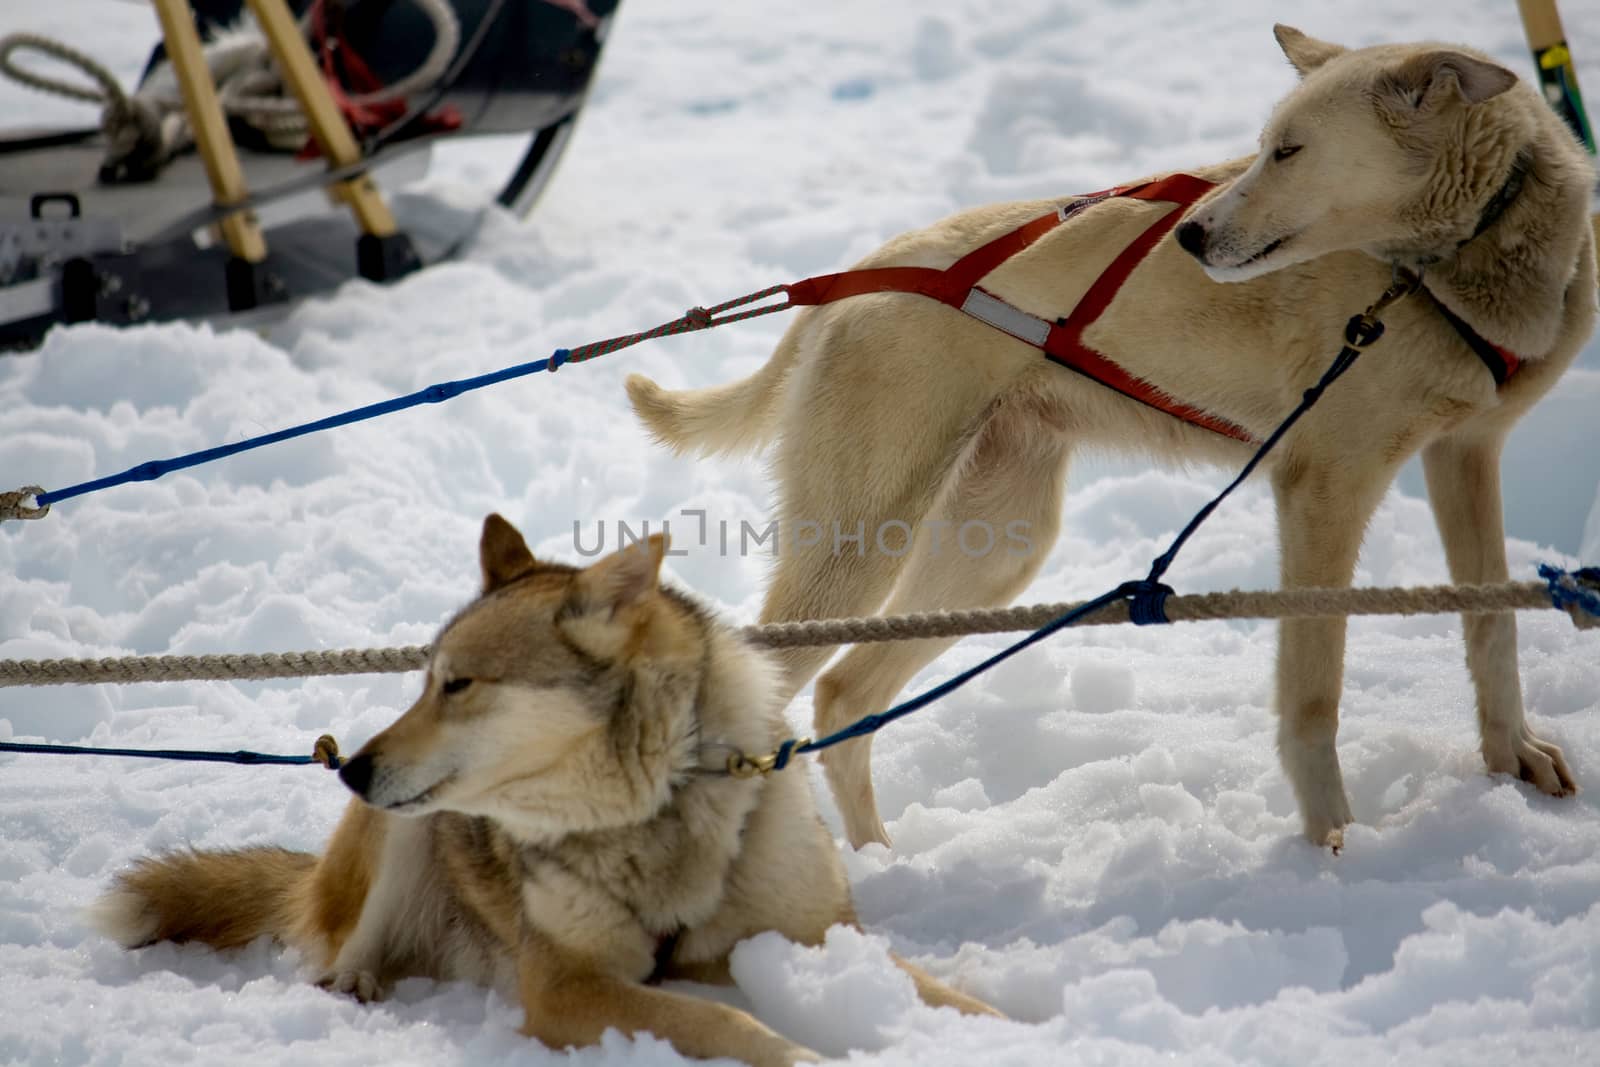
(553, 817)
(891, 408)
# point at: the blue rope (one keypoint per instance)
(873, 723)
(1359, 332)
(694, 319)
(188, 755)
(785, 752)
(433, 394)
(1146, 598)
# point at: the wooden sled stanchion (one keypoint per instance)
(1558, 75)
(247, 286)
(189, 199)
(383, 252)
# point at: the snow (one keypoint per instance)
(1096, 837)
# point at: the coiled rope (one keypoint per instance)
(249, 85)
(1581, 600)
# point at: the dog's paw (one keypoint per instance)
(1325, 827)
(363, 985)
(1328, 837)
(1312, 768)
(1521, 754)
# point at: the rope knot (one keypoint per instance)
(558, 357)
(697, 318)
(1577, 593)
(1147, 601)
(12, 506)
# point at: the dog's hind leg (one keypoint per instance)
(884, 400)
(846, 489)
(571, 1004)
(821, 582)
(1464, 490)
(938, 995)
(979, 546)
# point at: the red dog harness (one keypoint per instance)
(1062, 341)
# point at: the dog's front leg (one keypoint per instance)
(379, 852)
(1321, 517)
(571, 1003)
(1464, 488)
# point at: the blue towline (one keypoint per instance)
(433, 394)
(1146, 598)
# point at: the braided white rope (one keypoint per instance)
(110, 89)
(1284, 604)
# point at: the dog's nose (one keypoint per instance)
(1192, 238)
(357, 774)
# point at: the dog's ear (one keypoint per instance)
(620, 580)
(1428, 81)
(502, 553)
(1305, 53)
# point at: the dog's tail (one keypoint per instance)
(738, 417)
(224, 899)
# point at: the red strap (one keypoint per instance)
(826, 288)
(1077, 356)
(343, 66)
(951, 285)
(1064, 344)
(976, 265)
(1182, 190)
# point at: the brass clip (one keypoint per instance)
(742, 766)
(326, 752)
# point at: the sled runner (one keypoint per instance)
(129, 221)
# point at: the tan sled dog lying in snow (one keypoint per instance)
(893, 409)
(552, 817)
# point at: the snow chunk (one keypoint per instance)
(845, 994)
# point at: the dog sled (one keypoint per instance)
(263, 155)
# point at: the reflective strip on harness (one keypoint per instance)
(1002, 316)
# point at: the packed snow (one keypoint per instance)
(1096, 837)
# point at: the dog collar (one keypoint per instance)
(1504, 197)
(1501, 362)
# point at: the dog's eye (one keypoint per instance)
(1283, 152)
(456, 685)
